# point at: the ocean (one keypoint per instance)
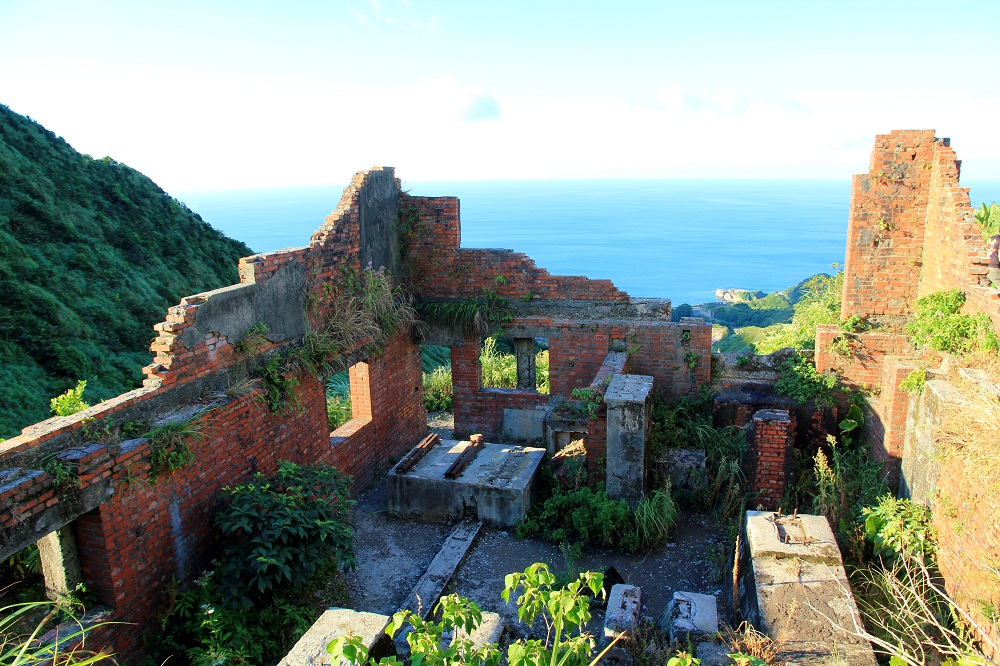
(676, 239)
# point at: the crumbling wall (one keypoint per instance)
(912, 232)
(133, 532)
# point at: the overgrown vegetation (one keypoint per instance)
(92, 253)
(914, 382)
(287, 539)
(939, 324)
(800, 381)
(988, 218)
(67, 647)
(499, 366)
(565, 609)
(71, 401)
(438, 389)
(473, 315)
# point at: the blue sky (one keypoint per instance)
(220, 95)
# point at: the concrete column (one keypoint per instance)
(524, 348)
(60, 562)
(627, 399)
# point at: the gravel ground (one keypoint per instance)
(393, 554)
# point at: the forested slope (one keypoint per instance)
(92, 253)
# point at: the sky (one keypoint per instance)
(204, 96)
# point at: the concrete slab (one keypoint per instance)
(628, 419)
(622, 614)
(792, 586)
(428, 589)
(310, 650)
(804, 536)
(497, 486)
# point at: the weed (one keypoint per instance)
(279, 389)
(474, 315)
(749, 644)
(940, 325)
(585, 516)
(169, 448)
(438, 389)
(799, 380)
(100, 432)
(500, 280)
(655, 515)
(338, 411)
(989, 220)
(914, 382)
(71, 401)
(63, 473)
(42, 646)
(841, 346)
(744, 360)
(253, 340)
(691, 360)
(528, 297)
(898, 526)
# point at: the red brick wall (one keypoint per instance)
(863, 368)
(770, 451)
(146, 533)
(886, 228)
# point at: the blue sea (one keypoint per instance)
(676, 239)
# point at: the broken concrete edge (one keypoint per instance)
(622, 613)
(424, 597)
(334, 623)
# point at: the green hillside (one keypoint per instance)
(92, 253)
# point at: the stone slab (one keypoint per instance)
(489, 630)
(806, 537)
(310, 650)
(690, 615)
(524, 425)
(497, 486)
(622, 614)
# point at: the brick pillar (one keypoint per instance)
(524, 349)
(772, 462)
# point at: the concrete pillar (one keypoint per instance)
(524, 349)
(627, 399)
(60, 562)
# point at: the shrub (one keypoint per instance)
(915, 381)
(585, 516)
(438, 389)
(800, 381)
(338, 411)
(71, 401)
(940, 325)
(282, 529)
(989, 220)
(899, 527)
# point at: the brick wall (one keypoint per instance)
(863, 367)
(141, 534)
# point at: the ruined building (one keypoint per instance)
(911, 231)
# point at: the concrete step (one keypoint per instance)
(428, 589)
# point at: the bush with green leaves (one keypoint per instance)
(71, 401)
(564, 607)
(583, 516)
(499, 370)
(819, 304)
(988, 218)
(939, 324)
(899, 527)
(281, 529)
(800, 381)
(915, 381)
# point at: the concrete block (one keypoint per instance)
(792, 583)
(684, 467)
(622, 614)
(310, 650)
(497, 486)
(712, 654)
(524, 425)
(690, 614)
(628, 419)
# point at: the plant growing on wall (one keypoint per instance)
(71, 401)
(914, 382)
(168, 445)
(473, 315)
(939, 324)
